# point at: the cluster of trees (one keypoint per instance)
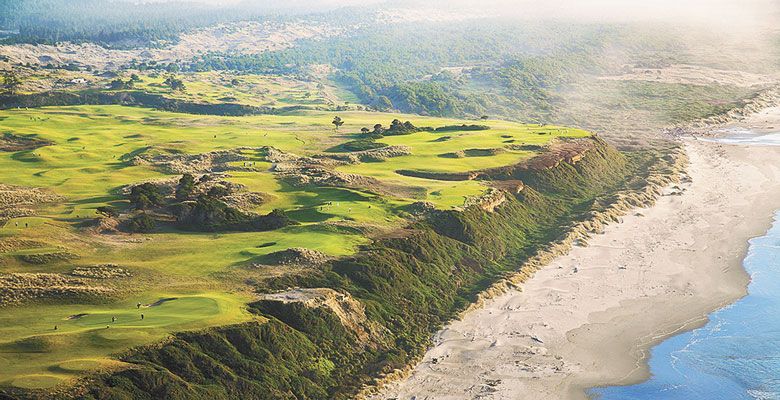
(109, 22)
(396, 128)
(118, 84)
(122, 23)
(194, 209)
(11, 82)
(176, 84)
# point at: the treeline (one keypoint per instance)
(112, 22)
(127, 24)
(379, 64)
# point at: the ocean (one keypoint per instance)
(735, 356)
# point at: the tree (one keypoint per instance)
(378, 129)
(186, 187)
(337, 122)
(364, 130)
(484, 117)
(11, 81)
(145, 196)
(383, 103)
(135, 78)
(118, 84)
(176, 84)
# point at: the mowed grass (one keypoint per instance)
(35, 355)
(254, 90)
(434, 152)
(87, 166)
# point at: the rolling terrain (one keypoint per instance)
(73, 279)
(289, 207)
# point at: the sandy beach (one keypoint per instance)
(589, 318)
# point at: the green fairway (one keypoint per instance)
(36, 355)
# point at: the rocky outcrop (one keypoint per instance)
(488, 201)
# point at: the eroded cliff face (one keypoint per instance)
(352, 323)
(350, 313)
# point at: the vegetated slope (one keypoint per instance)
(407, 286)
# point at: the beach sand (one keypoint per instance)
(590, 317)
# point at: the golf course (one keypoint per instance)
(261, 200)
(87, 161)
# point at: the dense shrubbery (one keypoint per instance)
(132, 98)
(464, 127)
(210, 214)
(361, 145)
(115, 23)
(145, 196)
(206, 212)
(141, 223)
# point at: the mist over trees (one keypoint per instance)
(125, 24)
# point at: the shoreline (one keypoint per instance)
(590, 317)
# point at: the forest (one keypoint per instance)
(454, 68)
(122, 24)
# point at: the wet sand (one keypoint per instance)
(589, 318)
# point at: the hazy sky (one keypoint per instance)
(717, 12)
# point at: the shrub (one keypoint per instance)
(464, 127)
(141, 223)
(108, 211)
(145, 196)
(185, 187)
(362, 145)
